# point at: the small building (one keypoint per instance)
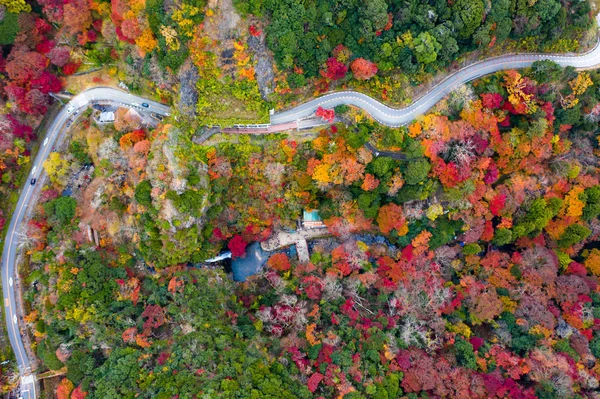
(106, 117)
(312, 220)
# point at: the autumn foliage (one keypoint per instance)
(279, 262)
(64, 389)
(335, 69)
(363, 69)
(327, 114)
(237, 246)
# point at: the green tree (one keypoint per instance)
(80, 365)
(116, 378)
(426, 48)
(48, 356)
(468, 15)
(417, 171)
(61, 210)
(142, 193)
(537, 217)
(546, 71)
(592, 205)
(444, 35)
(465, 356)
(595, 346)
(373, 14)
(471, 249)
(381, 167)
(9, 27)
(573, 234)
(502, 237)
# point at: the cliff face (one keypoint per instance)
(264, 65)
(188, 95)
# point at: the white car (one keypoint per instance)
(46, 141)
(33, 169)
(70, 109)
(15, 319)
(10, 281)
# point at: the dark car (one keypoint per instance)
(145, 105)
(156, 116)
(32, 181)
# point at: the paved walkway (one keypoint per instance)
(282, 239)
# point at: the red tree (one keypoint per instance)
(254, 31)
(47, 83)
(363, 69)
(335, 69)
(237, 246)
(23, 65)
(492, 100)
(155, 317)
(45, 46)
(497, 203)
(390, 217)
(327, 114)
(279, 262)
(71, 67)
(77, 16)
(78, 393)
(60, 55)
(64, 389)
(313, 381)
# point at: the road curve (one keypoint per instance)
(398, 117)
(381, 112)
(23, 208)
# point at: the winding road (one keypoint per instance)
(381, 112)
(9, 279)
(398, 117)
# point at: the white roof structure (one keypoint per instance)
(106, 117)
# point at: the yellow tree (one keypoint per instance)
(514, 84)
(15, 6)
(146, 41)
(578, 86)
(56, 167)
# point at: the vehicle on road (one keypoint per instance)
(46, 141)
(33, 169)
(10, 281)
(15, 319)
(32, 181)
(156, 116)
(70, 109)
(145, 105)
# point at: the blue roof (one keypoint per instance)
(249, 265)
(311, 216)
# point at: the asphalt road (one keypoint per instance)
(381, 112)
(398, 117)
(57, 128)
